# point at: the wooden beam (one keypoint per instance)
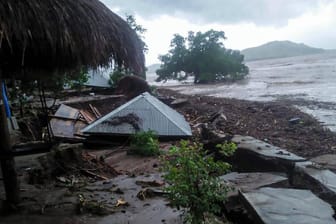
(8, 163)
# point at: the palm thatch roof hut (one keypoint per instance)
(43, 37)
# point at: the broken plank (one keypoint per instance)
(93, 175)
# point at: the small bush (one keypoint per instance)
(144, 144)
(194, 183)
(115, 76)
(227, 148)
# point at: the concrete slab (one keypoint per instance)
(314, 177)
(251, 181)
(254, 155)
(287, 206)
(328, 161)
(325, 177)
(264, 149)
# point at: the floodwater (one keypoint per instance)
(308, 82)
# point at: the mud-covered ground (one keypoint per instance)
(278, 123)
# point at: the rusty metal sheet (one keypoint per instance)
(67, 112)
(65, 128)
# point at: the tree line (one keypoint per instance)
(202, 56)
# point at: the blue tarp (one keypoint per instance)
(5, 99)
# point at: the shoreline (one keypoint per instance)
(278, 123)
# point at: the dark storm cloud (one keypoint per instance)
(260, 12)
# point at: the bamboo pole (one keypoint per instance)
(7, 160)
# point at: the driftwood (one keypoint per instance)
(93, 175)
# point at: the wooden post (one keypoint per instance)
(7, 162)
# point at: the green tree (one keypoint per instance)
(119, 72)
(203, 56)
(193, 177)
(76, 82)
(140, 31)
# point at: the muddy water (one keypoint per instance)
(308, 82)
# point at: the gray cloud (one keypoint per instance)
(260, 12)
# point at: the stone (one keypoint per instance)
(287, 206)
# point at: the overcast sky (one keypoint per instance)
(246, 23)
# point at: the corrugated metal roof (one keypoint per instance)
(148, 113)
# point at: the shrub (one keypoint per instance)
(115, 76)
(194, 183)
(144, 144)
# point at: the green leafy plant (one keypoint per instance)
(78, 82)
(115, 76)
(194, 183)
(227, 148)
(145, 144)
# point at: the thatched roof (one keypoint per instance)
(57, 36)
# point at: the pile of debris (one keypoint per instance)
(67, 162)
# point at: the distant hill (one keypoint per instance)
(279, 49)
(150, 73)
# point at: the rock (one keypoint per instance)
(287, 206)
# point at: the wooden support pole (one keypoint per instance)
(7, 163)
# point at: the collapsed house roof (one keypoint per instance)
(67, 122)
(143, 113)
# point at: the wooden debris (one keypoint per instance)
(93, 175)
(121, 202)
(87, 116)
(95, 111)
